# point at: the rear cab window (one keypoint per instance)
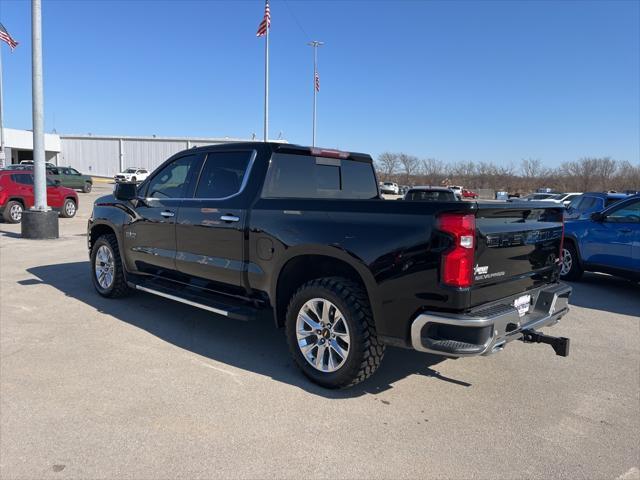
(308, 176)
(431, 195)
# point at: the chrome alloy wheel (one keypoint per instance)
(16, 212)
(104, 266)
(323, 335)
(566, 262)
(70, 208)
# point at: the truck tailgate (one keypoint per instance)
(517, 248)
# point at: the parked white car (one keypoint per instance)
(390, 188)
(564, 198)
(457, 190)
(30, 162)
(131, 175)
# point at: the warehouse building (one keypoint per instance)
(101, 155)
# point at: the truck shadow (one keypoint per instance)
(253, 346)
(606, 293)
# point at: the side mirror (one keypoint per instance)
(126, 191)
(597, 217)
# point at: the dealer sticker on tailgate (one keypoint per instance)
(522, 304)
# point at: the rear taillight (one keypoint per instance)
(457, 263)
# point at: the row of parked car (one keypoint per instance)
(17, 193)
(601, 229)
(458, 192)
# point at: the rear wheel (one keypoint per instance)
(106, 268)
(68, 209)
(87, 187)
(134, 179)
(13, 212)
(331, 332)
(570, 265)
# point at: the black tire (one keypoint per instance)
(134, 179)
(87, 187)
(365, 350)
(10, 210)
(118, 286)
(570, 256)
(69, 211)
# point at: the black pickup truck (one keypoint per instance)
(301, 236)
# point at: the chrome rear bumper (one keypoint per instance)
(487, 329)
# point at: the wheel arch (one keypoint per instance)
(99, 229)
(570, 240)
(309, 264)
(18, 199)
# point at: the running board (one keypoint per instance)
(194, 298)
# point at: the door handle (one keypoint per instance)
(229, 218)
(167, 214)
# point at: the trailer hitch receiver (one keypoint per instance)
(560, 345)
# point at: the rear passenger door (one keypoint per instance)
(24, 187)
(210, 226)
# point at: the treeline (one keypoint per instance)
(584, 175)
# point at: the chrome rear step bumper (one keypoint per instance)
(488, 329)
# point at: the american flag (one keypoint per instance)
(5, 37)
(317, 81)
(265, 24)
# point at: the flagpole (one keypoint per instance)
(266, 84)
(315, 44)
(2, 151)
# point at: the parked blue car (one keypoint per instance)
(587, 203)
(607, 241)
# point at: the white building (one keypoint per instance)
(19, 146)
(101, 155)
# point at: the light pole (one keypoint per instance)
(315, 44)
(40, 221)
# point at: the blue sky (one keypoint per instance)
(455, 80)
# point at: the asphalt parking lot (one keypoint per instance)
(146, 388)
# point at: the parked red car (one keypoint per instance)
(16, 194)
(468, 194)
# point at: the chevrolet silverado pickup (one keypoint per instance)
(301, 237)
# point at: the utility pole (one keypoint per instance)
(315, 44)
(40, 221)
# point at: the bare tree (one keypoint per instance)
(531, 167)
(410, 165)
(388, 164)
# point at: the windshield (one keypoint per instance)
(130, 170)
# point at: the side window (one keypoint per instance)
(223, 174)
(171, 181)
(23, 178)
(629, 213)
(73, 171)
(587, 203)
(53, 171)
(67, 171)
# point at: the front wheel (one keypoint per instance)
(331, 332)
(13, 212)
(570, 265)
(87, 187)
(68, 209)
(107, 271)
